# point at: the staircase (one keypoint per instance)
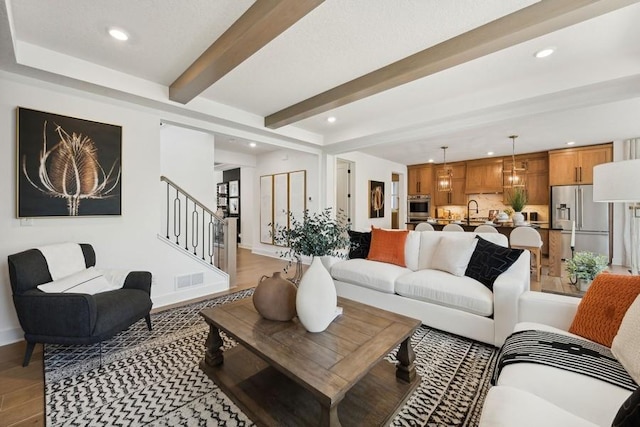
(197, 231)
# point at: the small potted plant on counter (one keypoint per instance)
(583, 268)
(517, 200)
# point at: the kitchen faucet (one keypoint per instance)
(468, 209)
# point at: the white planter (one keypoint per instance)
(518, 218)
(316, 300)
(583, 284)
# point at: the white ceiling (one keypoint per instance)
(588, 91)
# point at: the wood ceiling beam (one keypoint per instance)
(261, 23)
(525, 24)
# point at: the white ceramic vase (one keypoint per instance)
(518, 218)
(316, 300)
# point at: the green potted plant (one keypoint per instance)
(517, 199)
(315, 235)
(584, 266)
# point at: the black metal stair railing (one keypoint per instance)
(194, 227)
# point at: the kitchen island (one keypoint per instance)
(551, 237)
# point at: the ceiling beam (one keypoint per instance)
(261, 23)
(525, 24)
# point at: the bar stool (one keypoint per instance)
(485, 228)
(424, 226)
(452, 227)
(528, 238)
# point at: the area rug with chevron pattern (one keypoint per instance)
(143, 377)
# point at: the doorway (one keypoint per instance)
(395, 201)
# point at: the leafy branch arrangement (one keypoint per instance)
(586, 265)
(517, 199)
(317, 234)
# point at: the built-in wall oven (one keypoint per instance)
(418, 207)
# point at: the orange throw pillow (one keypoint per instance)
(387, 246)
(603, 306)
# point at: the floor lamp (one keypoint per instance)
(620, 182)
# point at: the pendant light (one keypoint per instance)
(514, 177)
(445, 175)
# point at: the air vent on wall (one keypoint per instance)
(188, 280)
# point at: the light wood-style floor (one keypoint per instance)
(22, 389)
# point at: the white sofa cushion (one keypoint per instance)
(510, 407)
(626, 343)
(428, 243)
(376, 275)
(452, 255)
(412, 250)
(463, 293)
(589, 398)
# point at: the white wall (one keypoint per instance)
(186, 158)
(282, 161)
(128, 241)
(369, 168)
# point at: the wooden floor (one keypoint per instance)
(22, 389)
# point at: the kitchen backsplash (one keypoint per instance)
(487, 202)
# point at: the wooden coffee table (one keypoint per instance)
(280, 374)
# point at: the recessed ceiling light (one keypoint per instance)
(489, 153)
(543, 53)
(430, 160)
(252, 144)
(331, 119)
(571, 143)
(118, 34)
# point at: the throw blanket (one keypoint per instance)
(63, 259)
(563, 352)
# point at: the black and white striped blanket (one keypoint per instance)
(564, 352)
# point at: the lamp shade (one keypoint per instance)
(617, 182)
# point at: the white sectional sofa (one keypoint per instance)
(530, 394)
(456, 304)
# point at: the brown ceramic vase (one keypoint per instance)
(275, 298)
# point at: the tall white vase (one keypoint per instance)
(316, 300)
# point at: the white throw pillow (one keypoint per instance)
(428, 244)
(452, 255)
(412, 250)
(626, 343)
(88, 281)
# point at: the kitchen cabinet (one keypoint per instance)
(484, 176)
(544, 235)
(536, 177)
(575, 165)
(457, 195)
(420, 179)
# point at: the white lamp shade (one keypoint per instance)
(617, 182)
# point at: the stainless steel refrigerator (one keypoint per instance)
(571, 203)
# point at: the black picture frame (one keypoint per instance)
(376, 199)
(66, 166)
(234, 189)
(234, 205)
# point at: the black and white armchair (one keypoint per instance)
(65, 314)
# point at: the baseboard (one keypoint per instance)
(192, 293)
(9, 336)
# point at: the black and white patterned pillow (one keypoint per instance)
(629, 413)
(360, 242)
(489, 260)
